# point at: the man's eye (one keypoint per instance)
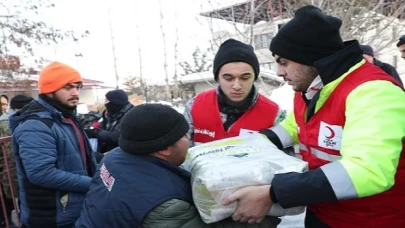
(69, 87)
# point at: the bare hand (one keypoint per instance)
(253, 203)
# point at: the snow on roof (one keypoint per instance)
(197, 77)
(269, 74)
(208, 76)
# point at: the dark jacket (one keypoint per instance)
(144, 191)
(127, 187)
(389, 70)
(50, 167)
(108, 138)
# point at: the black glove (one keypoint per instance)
(91, 133)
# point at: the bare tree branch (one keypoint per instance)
(176, 42)
(140, 82)
(167, 94)
(25, 34)
(113, 48)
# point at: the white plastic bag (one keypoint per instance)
(221, 167)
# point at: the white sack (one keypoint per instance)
(221, 167)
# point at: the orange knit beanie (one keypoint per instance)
(56, 75)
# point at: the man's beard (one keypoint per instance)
(66, 105)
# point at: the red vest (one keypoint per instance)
(320, 140)
(208, 125)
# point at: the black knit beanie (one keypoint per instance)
(148, 128)
(367, 49)
(310, 36)
(19, 101)
(401, 41)
(235, 51)
(118, 97)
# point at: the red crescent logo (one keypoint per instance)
(332, 133)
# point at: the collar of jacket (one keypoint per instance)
(54, 112)
(126, 108)
(48, 107)
(378, 63)
(163, 163)
(121, 113)
(334, 66)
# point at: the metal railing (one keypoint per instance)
(7, 174)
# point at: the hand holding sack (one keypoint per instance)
(221, 167)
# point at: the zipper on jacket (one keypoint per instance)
(64, 201)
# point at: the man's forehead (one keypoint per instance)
(278, 58)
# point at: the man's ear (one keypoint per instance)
(165, 152)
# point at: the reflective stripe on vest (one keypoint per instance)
(320, 154)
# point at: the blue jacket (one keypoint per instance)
(127, 187)
(50, 167)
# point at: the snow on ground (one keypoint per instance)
(295, 221)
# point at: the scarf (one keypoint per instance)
(66, 111)
(234, 110)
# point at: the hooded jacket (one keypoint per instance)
(50, 167)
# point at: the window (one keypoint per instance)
(262, 41)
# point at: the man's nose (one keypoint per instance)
(280, 72)
(75, 91)
(236, 85)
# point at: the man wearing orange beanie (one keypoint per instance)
(53, 156)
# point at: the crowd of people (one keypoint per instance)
(348, 123)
